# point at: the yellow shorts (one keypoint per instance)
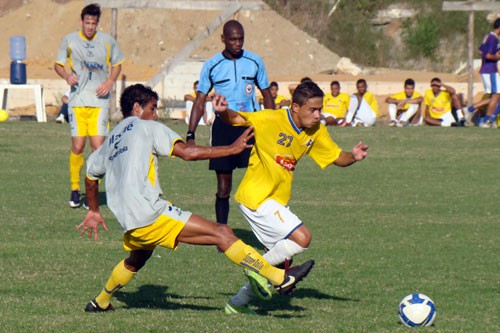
(163, 232)
(88, 121)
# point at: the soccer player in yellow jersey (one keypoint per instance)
(438, 105)
(363, 107)
(335, 106)
(280, 101)
(129, 159)
(403, 106)
(282, 138)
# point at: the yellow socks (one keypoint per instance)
(75, 167)
(120, 277)
(246, 256)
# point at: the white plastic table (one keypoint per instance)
(41, 116)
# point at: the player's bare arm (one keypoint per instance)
(70, 78)
(190, 152)
(93, 219)
(196, 114)
(448, 88)
(358, 153)
(268, 99)
(220, 106)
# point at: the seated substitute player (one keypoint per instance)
(282, 138)
(439, 103)
(130, 153)
(335, 106)
(403, 106)
(280, 101)
(208, 116)
(363, 107)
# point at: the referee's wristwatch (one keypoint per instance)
(190, 136)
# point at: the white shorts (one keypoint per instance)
(271, 222)
(491, 82)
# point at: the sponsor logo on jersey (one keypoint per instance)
(287, 162)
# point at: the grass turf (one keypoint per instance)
(420, 214)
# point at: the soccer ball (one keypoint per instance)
(417, 310)
(4, 115)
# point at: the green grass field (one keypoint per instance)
(421, 214)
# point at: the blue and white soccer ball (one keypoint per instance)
(417, 310)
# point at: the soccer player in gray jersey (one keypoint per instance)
(128, 158)
(89, 54)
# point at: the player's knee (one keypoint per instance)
(137, 260)
(302, 237)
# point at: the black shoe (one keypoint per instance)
(74, 200)
(293, 276)
(92, 306)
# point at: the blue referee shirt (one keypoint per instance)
(235, 79)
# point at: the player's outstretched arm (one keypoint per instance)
(93, 219)
(190, 152)
(229, 116)
(358, 153)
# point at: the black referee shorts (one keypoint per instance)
(224, 135)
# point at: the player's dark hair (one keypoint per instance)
(361, 81)
(436, 79)
(335, 83)
(92, 10)
(136, 93)
(496, 24)
(305, 91)
(409, 82)
(306, 79)
(273, 84)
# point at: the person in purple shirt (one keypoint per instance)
(490, 55)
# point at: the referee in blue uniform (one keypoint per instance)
(234, 73)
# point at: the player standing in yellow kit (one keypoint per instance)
(89, 54)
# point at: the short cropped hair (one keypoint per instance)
(436, 79)
(305, 91)
(274, 84)
(92, 10)
(361, 81)
(496, 24)
(137, 93)
(409, 82)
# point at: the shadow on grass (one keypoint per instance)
(156, 297)
(248, 237)
(283, 303)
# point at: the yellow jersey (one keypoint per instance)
(337, 105)
(402, 96)
(278, 100)
(371, 100)
(438, 105)
(279, 146)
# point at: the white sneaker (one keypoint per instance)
(60, 119)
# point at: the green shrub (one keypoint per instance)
(422, 39)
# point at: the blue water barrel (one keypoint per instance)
(17, 48)
(17, 72)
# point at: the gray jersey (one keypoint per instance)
(90, 61)
(128, 157)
